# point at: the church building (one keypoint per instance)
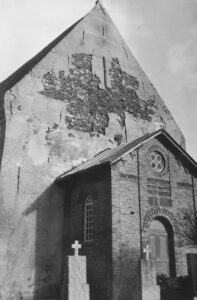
(89, 152)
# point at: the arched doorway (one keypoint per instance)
(162, 246)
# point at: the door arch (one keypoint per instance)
(161, 239)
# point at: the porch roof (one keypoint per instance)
(111, 156)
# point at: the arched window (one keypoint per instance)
(89, 218)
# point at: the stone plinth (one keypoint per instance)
(150, 290)
(75, 285)
(78, 289)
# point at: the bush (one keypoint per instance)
(188, 227)
(181, 282)
(174, 288)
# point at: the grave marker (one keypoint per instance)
(147, 250)
(75, 278)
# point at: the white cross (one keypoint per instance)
(147, 250)
(76, 246)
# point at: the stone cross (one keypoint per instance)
(76, 246)
(147, 250)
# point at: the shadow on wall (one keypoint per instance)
(49, 209)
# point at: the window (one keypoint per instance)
(89, 219)
(157, 161)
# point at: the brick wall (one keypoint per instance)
(98, 252)
(113, 258)
(125, 229)
(173, 193)
(180, 186)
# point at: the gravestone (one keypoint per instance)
(75, 285)
(150, 289)
(147, 252)
(192, 271)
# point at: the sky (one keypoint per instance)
(161, 34)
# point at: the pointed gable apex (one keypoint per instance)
(95, 44)
(16, 76)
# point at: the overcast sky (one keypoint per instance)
(162, 35)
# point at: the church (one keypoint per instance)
(89, 152)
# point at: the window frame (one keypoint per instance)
(89, 218)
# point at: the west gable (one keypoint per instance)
(86, 83)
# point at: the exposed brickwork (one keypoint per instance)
(180, 198)
(89, 105)
(98, 252)
(126, 226)
(126, 244)
(125, 230)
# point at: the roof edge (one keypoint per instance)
(17, 75)
(66, 176)
(147, 137)
(169, 137)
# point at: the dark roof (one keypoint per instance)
(15, 77)
(112, 155)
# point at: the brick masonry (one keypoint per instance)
(89, 104)
(120, 228)
(126, 216)
(98, 252)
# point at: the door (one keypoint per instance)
(159, 247)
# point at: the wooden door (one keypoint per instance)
(159, 247)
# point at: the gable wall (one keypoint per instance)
(126, 226)
(181, 189)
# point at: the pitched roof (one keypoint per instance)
(112, 155)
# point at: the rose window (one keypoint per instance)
(157, 161)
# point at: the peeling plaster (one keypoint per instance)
(38, 150)
(88, 104)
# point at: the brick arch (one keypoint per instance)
(159, 213)
(170, 229)
(85, 191)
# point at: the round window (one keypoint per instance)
(157, 161)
